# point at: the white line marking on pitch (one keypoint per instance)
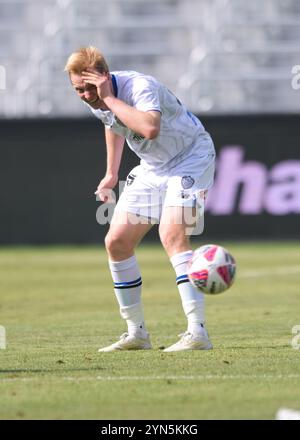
(282, 270)
(149, 378)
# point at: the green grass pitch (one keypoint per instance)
(57, 306)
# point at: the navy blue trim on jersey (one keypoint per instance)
(128, 284)
(115, 85)
(154, 110)
(193, 117)
(182, 279)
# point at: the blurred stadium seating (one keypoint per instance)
(219, 56)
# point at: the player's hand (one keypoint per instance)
(100, 80)
(105, 188)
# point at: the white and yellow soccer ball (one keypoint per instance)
(212, 269)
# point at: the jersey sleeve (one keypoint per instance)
(145, 95)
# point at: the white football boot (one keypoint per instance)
(188, 341)
(129, 342)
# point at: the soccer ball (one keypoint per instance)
(212, 269)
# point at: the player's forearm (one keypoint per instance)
(142, 123)
(114, 149)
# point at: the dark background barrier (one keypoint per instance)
(50, 169)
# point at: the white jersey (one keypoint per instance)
(180, 131)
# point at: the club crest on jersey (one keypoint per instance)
(187, 182)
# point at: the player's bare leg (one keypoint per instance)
(175, 229)
(125, 232)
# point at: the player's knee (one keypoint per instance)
(172, 240)
(117, 243)
(166, 239)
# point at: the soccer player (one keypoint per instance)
(168, 187)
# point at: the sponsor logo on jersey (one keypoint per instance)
(130, 179)
(185, 195)
(137, 137)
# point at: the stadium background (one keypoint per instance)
(235, 68)
(236, 64)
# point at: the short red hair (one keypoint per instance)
(84, 58)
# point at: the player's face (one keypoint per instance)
(86, 92)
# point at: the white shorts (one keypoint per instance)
(146, 193)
